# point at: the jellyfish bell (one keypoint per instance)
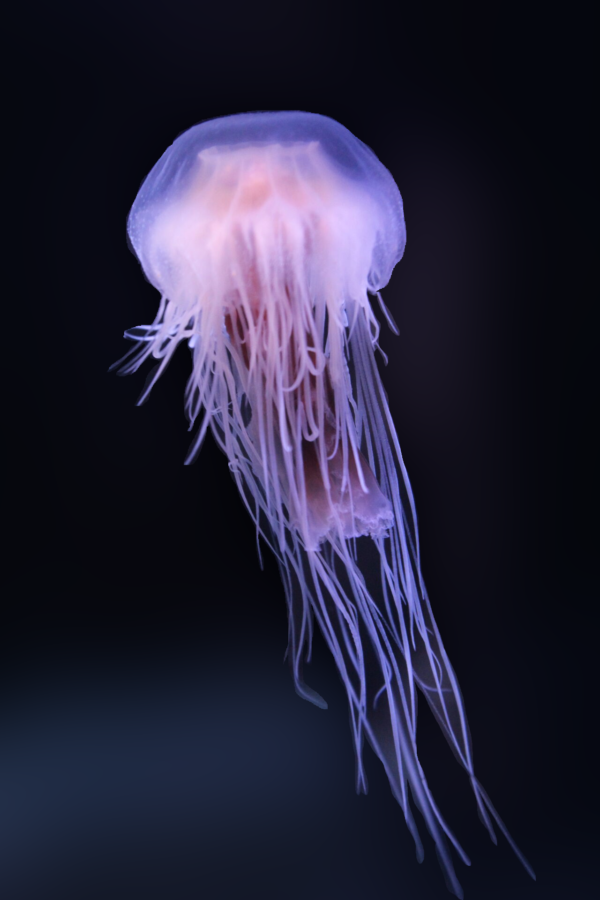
(266, 234)
(306, 149)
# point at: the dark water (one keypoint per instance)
(151, 743)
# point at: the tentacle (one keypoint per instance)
(291, 393)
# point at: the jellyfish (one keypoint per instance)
(269, 236)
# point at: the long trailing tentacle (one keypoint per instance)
(427, 658)
(264, 412)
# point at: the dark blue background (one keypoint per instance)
(152, 745)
